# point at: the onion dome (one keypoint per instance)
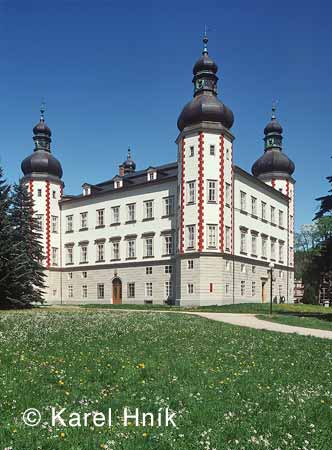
(41, 161)
(205, 106)
(273, 162)
(129, 165)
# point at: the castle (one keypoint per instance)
(197, 231)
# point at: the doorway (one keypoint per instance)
(264, 291)
(116, 291)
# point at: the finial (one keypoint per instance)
(42, 110)
(205, 41)
(274, 108)
(129, 153)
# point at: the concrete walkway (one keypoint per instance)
(250, 321)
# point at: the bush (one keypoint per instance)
(310, 296)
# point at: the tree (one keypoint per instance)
(325, 203)
(6, 243)
(28, 272)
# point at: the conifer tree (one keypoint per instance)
(28, 272)
(6, 243)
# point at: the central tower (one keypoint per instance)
(205, 188)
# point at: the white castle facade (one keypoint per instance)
(198, 231)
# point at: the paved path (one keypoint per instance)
(249, 320)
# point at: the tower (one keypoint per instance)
(42, 176)
(276, 169)
(205, 187)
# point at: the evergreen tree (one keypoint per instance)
(6, 243)
(28, 273)
(325, 202)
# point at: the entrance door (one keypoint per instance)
(263, 291)
(117, 291)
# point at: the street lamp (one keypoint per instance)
(271, 266)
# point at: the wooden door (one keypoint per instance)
(117, 291)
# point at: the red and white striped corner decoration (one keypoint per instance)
(232, 209)
(48, 226)
(201, 192)
(182, 196)
(221, 192)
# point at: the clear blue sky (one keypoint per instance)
(118, 73)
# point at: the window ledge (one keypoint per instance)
(83, 229)
(243, 253)
(191, 203)
(147, 219)
(264, 257)
(130, 221)
(69, 264)
(100, 261)
(84, 262)
(166, 254)
(115, 224)
(131, 258)
(115, 259)
(99, 226)
(167, 215)
(242, 211)
(148, 257)
(69, 231)
(253, 255)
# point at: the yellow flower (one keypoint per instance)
(62, 434)
(141, 366)
(145, 434)
(61, 382)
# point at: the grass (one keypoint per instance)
(301, 321)
(246, 308)
(231, 387)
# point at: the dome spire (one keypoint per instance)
(205, 42)
(42, 110)
(129, 165)
(274, 108)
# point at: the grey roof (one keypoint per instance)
(41, 161)
(130, 180)
(273, 161)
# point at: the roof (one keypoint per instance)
(130, 180)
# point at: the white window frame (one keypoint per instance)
(191, 236)
(168, 244)
(70, 223)
(84, 220)
(148, 247)
(190, 288)
(115, 250)
(169, 206)
(212, 235)
(243, 201)
(131, 289)
(227, 194)
(55, 256)
(100, 217)
(115, 212)
(212, 190)
(148, 289)
(84, 253)
(100, 256)
(84, 291)
(100, 291)
(70, 255)
(131, 248)
(191, 192)
(148, 209)
(131, 212)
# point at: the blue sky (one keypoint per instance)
(117, 74)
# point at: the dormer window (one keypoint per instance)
(86, 189)
(152, 175)
(118, 184)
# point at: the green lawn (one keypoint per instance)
(307, 322)
(231, 388)
(247, 308)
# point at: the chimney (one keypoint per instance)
(121, 170)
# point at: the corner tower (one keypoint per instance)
(205, 186)
(42, 176)
(275, 168)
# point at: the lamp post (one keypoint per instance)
(271, 266)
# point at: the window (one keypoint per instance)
(84, 253)
(168, 242)
(190, 264)
(85, 291)
(191, 191)
(191, 151)
(212, 150)
(227, 153)
(191, 236)
(227, 289)
(212, 191)
(86, 190)
(115, 211)
(118, 184)
(254, 244)
(100, 252)
(281, 219)
(212, 236)
(84, 274)
(228, 238)
(264, 247)
(168, 289)
(281, 252)
(84, 220)
(168, 269)
(39, 222)
(273, 215)
(243, 197)
(243, 245)
(169, 206)
(148, 247)
(281, 274)
(100, 217)
(115, 250)
(263, 211)
(152, 175)
(243, 288)
(148, 270)
(228, 194)
(228, 266)
(39, 192)
(273, 250)
(54, 256)
(70, 275)
(69, 226)
(131, 290)
(291, 223)
(131, 249)
(100, 290)
(70, 255)
(253, 269)
(243, 268)
(131, 212)
(254, 206)
(190, 288)
(211, 287)
(70, 291)
(148, 209)
(253, 288)
(148, 289)
(54, 194)
(54, 224)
